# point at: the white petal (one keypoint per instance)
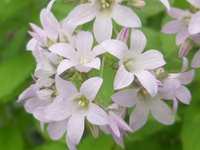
(150, 60)
(28, 93)
(91, 87)
(75, 129)
(173, 26)
(125, 98)
(113, 126)
(115, 47)
(95, 64)
(65, 65)
(194, 24)
(186, 77)
(196, 60)
(32, 44)
(138, 41)
(122, 78)
(84, 42)
(166, 3)
(96, 115)
(161, 111)
(148, 81)
(182, 36)
(50, 24)
(81, 14)
(184, 95)
(65, 88)
(63, 49)
(56, 130)
(139, 116)
(131, 19)
(102, 28)
(177, 13)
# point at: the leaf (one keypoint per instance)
(52, 146)
(13, 73)
(11, 139)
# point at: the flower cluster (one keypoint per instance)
(63, 97)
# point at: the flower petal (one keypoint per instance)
(91, 87)
(161, 111)
(139, 116)
(194, 24)
(196, 60)
(96, 115)
(172, 27)
(125, 98)
(102, 28)
(138, 41)
(166, 3)
(177, 13)
(122, 78)
(131, 19)
(75, 128)
(63, 49)
(182, 36)
(186, 77)
(184, 95)
(56, 130)
(148, 81)
(195, 3)
(65, 65)
(95, 64)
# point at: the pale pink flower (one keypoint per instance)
(123, 35)
(104, 11)
(134, 63)
(143, 105)
(185, 24)
(196, 60)
(75, 106)
(80, 55)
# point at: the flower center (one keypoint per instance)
(105, 4)
(129, 64)
(82, 101)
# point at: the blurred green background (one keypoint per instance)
(20, 131)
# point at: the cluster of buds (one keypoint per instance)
(63, 97)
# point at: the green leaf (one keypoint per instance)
(13, 73)
(11, 139)
(52, 146)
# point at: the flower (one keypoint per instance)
(51, 32)
(104, 11)
(195, 3)
(185, 25)
(166, 4)
(144, 105)
(80, 55)
(133, 62)
(75, 106)
(196, 60)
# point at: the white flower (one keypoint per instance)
(133, 63)
(80, 55)
(104, 11)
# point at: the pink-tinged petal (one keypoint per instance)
(57, 130)
(91, 87)
(195, 3)
(131, 19)
(185, 64)
(166, 4)
(28, 93)
(102, 28)
(196, 60)
(84, 42)
(65, 65)
(81, 14)
(186, 77)
(184, 95)
(139, 116)
(138, 41)
(150, 60)
(75, 128)
(32, 44)
(98, 50)
(177, 13)
(50, 24)
(123, 35)
(96, 115)
(182, 36)
(161, 111)
(115, 47)
(63, 49)
(113, 126)
(95, 64)
(185, 48)
(83, 68)
(194, 24)
(65, 88)
(121, 123)
(173, 26)
(125, 98)
(123, 78)
(38, 33)
(148, 81)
